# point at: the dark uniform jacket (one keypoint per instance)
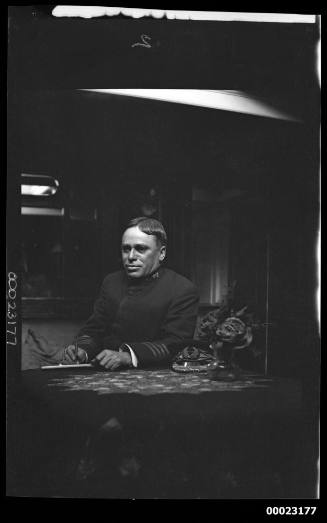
(152, 315)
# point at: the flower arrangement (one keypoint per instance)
(224, 325)
(224, 330)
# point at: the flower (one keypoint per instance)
(226, 326)
(234, 331)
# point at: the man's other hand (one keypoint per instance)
(112, 360)
(70, 355)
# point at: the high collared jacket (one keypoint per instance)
(152, 316)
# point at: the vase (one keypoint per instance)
(222, 368)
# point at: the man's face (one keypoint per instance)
(141, 254)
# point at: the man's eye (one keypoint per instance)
(125, 249)
(141, 249)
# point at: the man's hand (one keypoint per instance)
(112, 360)
(70, 355)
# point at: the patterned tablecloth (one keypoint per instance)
(149, 382)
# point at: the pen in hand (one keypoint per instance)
(76, 353)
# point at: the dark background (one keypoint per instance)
(108, 152)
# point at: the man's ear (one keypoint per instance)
(162, 255)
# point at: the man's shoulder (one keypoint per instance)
(179, 282)
(116, 277)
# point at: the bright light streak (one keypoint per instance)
(236, 101)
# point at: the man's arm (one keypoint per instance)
(179, 325)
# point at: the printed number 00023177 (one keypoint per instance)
(281, 511)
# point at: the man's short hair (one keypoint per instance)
(150, 226)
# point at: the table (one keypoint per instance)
(160, 434)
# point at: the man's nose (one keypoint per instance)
(131, 254)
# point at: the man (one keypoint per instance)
(143, 313)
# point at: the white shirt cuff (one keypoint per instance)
(132, 353)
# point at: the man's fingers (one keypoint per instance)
(69, 354)
(81, 355)
(103, 354)
(115, 365)
(112, 364)
(100, 356)
(107, 358)
(113, 361)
